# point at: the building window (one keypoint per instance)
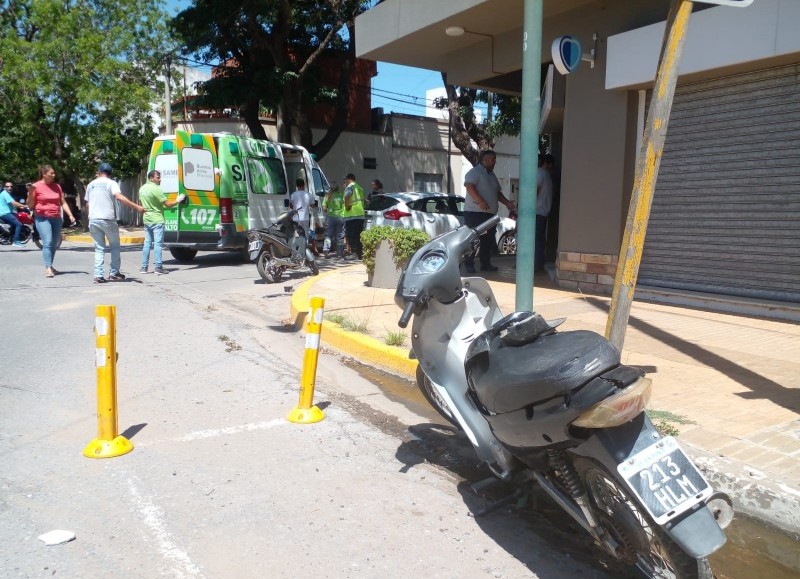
(370, 163)
(428, 182)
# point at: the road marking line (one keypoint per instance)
(153, 518)
(231, 430)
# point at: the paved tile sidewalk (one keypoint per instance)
(735, 380)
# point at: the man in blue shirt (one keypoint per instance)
(8, 212)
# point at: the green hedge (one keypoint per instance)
(404, 242)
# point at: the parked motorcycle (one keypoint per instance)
(557, 409)
(282, 246)
(28, 233)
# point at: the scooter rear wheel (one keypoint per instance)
(429, 392)
(38, 241)
(643, 544)
(266, 268)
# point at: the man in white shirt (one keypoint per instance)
(302, 201)
(544, 201)
(101, 197)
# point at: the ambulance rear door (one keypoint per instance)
(266, 181)
(198, 175)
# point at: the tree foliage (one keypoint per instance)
(272, 53)
(77, 83)
(469, 135)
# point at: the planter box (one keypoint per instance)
(386, 274)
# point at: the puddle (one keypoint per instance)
(753, 550)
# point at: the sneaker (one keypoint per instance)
(19, 244)
(115, 276)
(143, 270)
(100, 280)
(160, 271)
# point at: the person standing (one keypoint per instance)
(8, 213)
(47, 200)
(154, 201)
(483, 194)
(301, 201)
(377, 188)
(333, 208)
(101, 197)
(353, 213)
(544, 201)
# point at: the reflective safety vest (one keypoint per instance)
(357, 200)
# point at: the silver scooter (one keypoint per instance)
(559, 409)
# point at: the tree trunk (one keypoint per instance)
(250, 114)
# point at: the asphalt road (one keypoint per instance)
(219, 484)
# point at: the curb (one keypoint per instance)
(359, 346)
(123, 240)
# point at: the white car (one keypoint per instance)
(433, 213)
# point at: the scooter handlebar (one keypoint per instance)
(488, 224)
(406, 315)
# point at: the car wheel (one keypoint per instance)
(183, 254)
(508, 243)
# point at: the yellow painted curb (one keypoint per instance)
(361, 347)
(125, 240)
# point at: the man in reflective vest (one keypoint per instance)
(353, 213)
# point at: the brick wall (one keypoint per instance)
(588, 272)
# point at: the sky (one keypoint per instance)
(396, 88)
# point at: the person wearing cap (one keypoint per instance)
(47, 200)
(101, 197)
(8, 212)
(353, 213)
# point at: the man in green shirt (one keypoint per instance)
(333, 208)
(353, 213)
(154, 201)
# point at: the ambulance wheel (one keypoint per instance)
(183, 253)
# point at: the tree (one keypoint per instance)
(272, 53)
(466, 131)
(77, 83)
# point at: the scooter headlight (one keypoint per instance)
(619, 408)
(431, 262)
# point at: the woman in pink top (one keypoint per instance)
(47, 200)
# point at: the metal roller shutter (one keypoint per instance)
(726, 212)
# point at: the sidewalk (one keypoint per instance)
(127, 236)
(730, 384)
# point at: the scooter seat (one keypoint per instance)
(507, 377)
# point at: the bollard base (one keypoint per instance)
(305, 415)
(108, 448)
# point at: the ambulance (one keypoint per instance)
(232, 184)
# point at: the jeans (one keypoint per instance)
(487, 242)
(334, 232)
(100, 229)
(49, 229)
(153, 236)
(12, 220)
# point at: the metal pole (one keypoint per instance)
(529, 151)
(167, 97)
(647, 163)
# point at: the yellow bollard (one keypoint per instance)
(304, 412)
(107, 444)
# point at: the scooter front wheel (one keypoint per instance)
(312, 265)
(267, 269)
(432, 396)
(642, 543)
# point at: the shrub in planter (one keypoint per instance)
(404, 243)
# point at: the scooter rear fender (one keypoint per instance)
(696, 532)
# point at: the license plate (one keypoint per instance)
(254, 245)
(665, 480)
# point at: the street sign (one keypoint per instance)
(737, 3)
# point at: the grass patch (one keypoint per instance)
(665, 421)
(348, 323)
(395, 338)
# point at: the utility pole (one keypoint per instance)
(647, 164)
(528, 151)
(167, 96)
